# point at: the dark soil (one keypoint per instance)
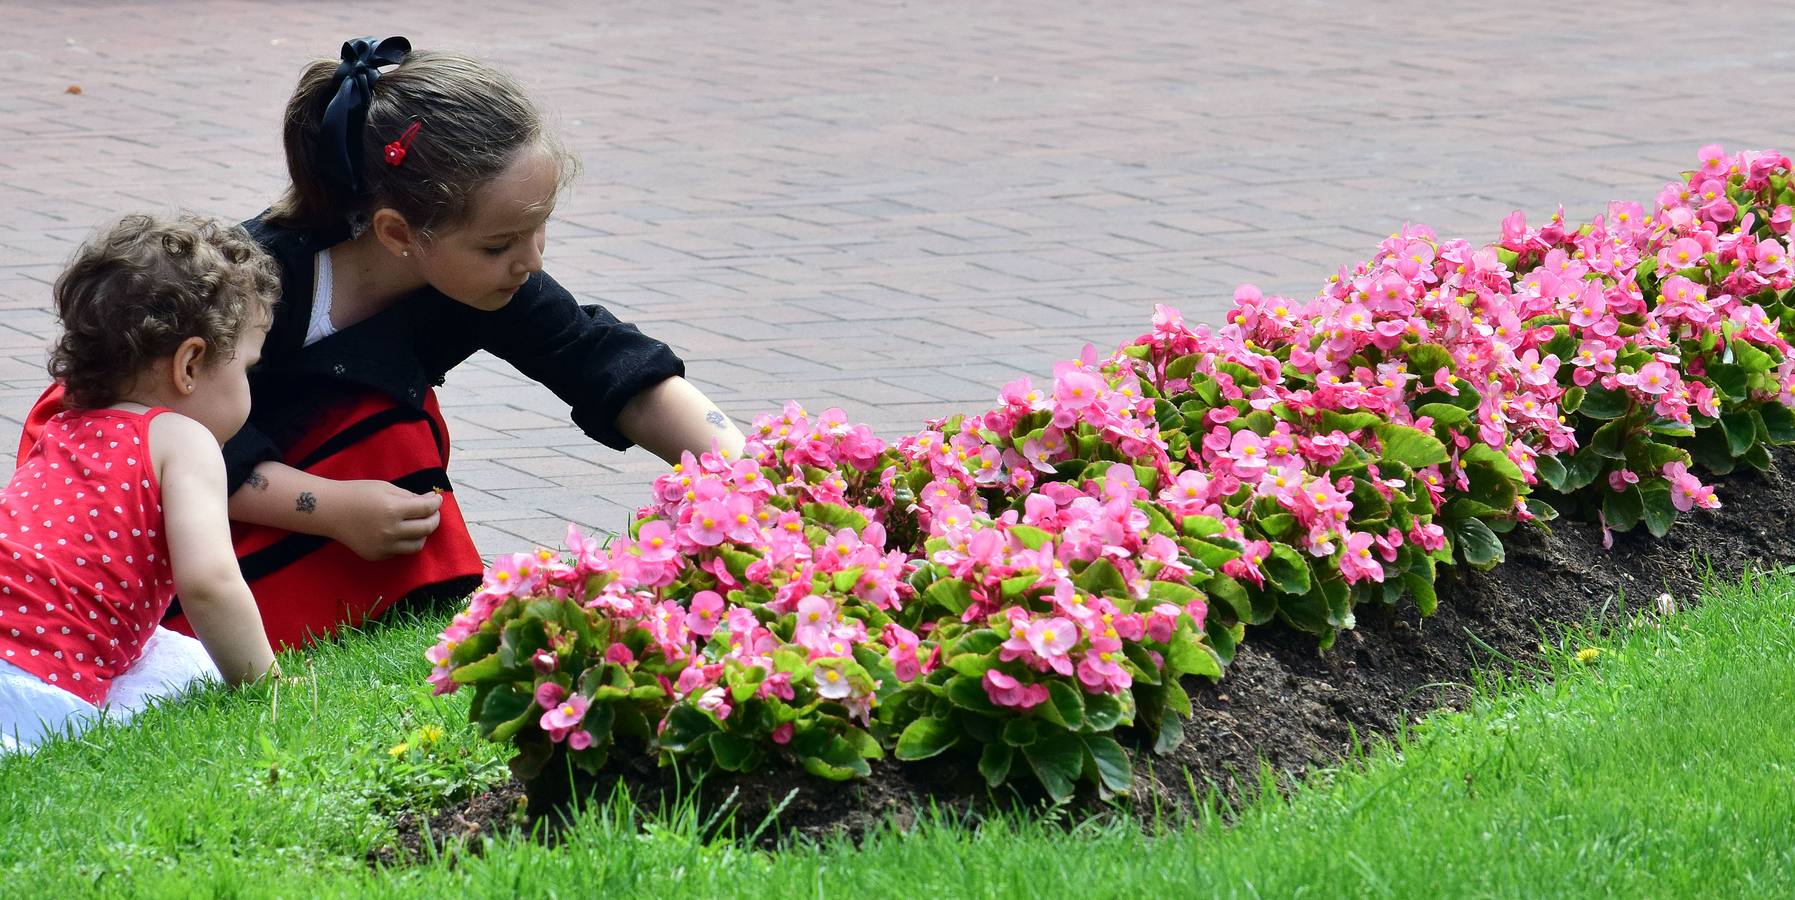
(464, 822)
(1282, 701)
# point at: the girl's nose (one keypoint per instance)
(531, 261)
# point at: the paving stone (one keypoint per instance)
(894, 209)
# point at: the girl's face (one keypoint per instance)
(484, 261)
(220, 398)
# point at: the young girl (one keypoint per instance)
(121, 500)
(410, 238)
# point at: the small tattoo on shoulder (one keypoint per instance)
(715, 418)
(306, 502)
(257, 480)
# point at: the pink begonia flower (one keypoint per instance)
(716, 702)
(1686, 491)
(1198, 610)
(782, 733)
(655, 540)
(1443, 381)
(816, 615)
(441, 673)
(1429, 537)
(1771, 258)
(586, 550)
(543, 662)
(692, 679)
(1040, 510)
(742, 525)
(549, 695)
(748, 478)
(1652, 378)
(1703, 399)
(741, 625)
(620, 654)
(1022, 393)
(1682, 254)
(1162, 621)
(1620, 478)
(1005, 690)
(1781, 219)
(1101, 669)
(1389, 546)
(831, 677)
(1588, 305)
(903, 645)
(838, 550)
(1050, 639)
(564, 718)
(1356, 563)
(511, 575)
(706, 610)
(1536, 370)
(1719, 209)
(710, 523)
(1247, 451)
(1514, 228)
(1713, 159)
(1077, 390)
(1129, 627)
(667, 625)
(777, 686)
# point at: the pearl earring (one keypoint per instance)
(404, 252)
(190, 386)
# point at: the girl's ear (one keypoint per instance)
(185, 366)
(393, 232)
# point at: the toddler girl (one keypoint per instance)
(121, 501)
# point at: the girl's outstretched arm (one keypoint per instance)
(675, 416)
(213, 593)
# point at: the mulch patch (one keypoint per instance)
(1282, 701)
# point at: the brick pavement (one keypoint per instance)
(893, 209)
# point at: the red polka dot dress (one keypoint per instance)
(84, 570)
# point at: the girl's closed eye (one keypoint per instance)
(499, 250)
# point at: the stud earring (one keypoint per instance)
(189, 385)
(404, 252)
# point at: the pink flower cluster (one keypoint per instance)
(1079, 533)
(706, 509)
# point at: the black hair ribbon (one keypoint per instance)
(339, 140)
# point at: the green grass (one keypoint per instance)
(1665, 768)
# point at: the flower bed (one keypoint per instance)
(1023, 583)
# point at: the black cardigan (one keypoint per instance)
(589, 359)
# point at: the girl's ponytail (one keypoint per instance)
(311, 200)
(459, 123)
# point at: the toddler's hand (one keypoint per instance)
(380, 520)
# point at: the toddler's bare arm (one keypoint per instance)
(197, 526)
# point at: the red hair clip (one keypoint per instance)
(395, 151)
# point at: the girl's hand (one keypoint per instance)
(379, 520)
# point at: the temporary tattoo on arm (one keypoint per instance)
(306, 502)
(715, 418)
(257, 480)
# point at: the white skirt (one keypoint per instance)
(33, 711)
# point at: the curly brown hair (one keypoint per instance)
(133, 293)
